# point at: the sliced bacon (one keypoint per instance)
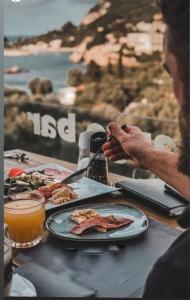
(108, 223)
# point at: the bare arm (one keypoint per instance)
(164, 165)
(130, 143)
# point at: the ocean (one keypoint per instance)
(32, 18)
(53, 66)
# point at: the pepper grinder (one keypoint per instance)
(98, 170)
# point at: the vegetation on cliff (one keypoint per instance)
(128, 87)
(110, 16)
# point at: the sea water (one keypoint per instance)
(53, 66)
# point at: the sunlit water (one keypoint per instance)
(48, 66)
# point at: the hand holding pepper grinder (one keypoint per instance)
(98, 169)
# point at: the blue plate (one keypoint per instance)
(60, 224)
(85, 188)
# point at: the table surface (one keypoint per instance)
(36, 160)
(118, 197)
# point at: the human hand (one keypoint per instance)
(128, 142)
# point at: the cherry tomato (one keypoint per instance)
(16, 172)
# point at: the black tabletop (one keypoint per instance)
(58, 269)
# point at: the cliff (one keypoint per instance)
(115, 17)
(121, 43)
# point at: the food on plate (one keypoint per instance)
(44, 181)
(50, 172)
(63, 195)
(47, 190)
(24, 182)
(13, 188)
(107, 223)
(16, 172)
(80, 215)
(55, 174)
(41, 178)
(36, 179)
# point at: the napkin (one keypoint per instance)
(52, 284)
(22, 287)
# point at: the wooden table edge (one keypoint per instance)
(38, 159)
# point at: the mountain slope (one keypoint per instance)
(106, 17)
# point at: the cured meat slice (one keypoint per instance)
(80, 215)
(56, 174)
(47, 190)
(51, 172)
(109, 222)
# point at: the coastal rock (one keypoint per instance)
(102, 55)
(55, 44)
(106, 17)
(40, 46)
(145, 42)
(95, 15)
(78, 54)
(14, 70)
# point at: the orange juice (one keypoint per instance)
(25, 220)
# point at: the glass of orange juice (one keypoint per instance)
(25, 216)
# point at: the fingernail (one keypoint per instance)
(111, 125)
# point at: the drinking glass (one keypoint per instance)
(8, 271)
(25, 216)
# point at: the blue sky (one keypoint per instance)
(33, 17)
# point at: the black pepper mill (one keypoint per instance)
(98, 170)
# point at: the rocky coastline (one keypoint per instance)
(123, 76)
(103, 32)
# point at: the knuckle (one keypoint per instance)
(136, 129)
(123, 139)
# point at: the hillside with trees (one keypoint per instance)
(121, 44)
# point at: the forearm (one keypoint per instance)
(131, 143)
(164, 165)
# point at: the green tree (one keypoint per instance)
(120, 68)
(75, 77)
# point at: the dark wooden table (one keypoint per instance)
(36, 160)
